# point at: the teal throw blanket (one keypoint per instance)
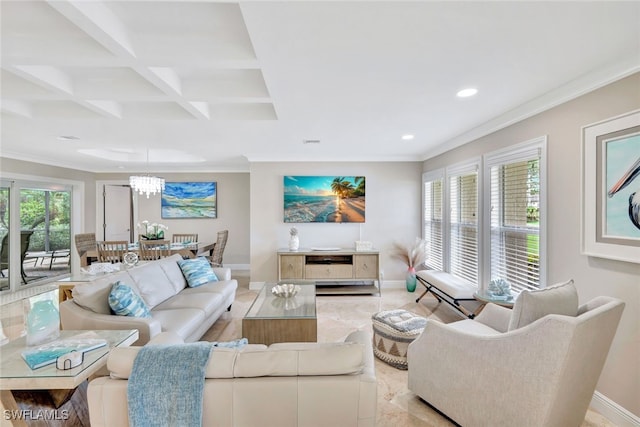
(166, 385)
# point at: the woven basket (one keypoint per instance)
(393, 331)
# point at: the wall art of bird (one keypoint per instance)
(634, 198)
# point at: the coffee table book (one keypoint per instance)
(46, 354)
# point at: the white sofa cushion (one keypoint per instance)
(533, 305)
(256, 360)
(153, 284)
(94, 296)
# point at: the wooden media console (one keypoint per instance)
(336, 272)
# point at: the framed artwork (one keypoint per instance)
(189, 200)
(611, 188)
(324, 199)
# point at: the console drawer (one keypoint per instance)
(366, 266)
(291, 266)
(329, 271)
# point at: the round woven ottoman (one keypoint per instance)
(393, 331)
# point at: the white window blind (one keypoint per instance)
(515, 220)
(463, 223)
(433, 224)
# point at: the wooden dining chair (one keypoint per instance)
(112, 250)
(216, 258)
(151, 250)
(184, 238)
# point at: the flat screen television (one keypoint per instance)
(324, 199)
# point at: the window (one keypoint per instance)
(506, 219)
(463, 223)
(433, 221)
(515, 192)
(451, 220)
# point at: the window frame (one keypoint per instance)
(524, 151)
(483, 164)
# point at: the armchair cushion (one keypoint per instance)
(533, 305)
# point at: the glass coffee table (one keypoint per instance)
(272, 319)
(15, 374)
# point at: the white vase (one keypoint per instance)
(294, 243)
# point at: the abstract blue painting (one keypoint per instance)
(189, 200)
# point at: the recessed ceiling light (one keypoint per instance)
(407, 137)
(465, 93)
(68, 138)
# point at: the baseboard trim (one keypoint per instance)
(237, 266)
(613, 412)
(256, 286)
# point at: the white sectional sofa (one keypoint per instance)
(175, 307)
(285, 384)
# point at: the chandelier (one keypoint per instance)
(146, 184)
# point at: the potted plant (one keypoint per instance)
(413, 256)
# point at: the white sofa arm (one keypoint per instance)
(74, 317)
(222, 273)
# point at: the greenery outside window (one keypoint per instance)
(516, 192)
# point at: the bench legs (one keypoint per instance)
(443, 296)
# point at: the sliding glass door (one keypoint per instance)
(40, 234)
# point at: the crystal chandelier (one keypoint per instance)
(146, 184)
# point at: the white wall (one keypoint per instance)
(233, 211)
(393, 198)
(620, 380)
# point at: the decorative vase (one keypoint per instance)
(43, 323)
(294, 243)
(410, 279)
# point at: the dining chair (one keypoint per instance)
(85, 242)
(151, 250)
(184, 238)
(218, 250)
(112, 250)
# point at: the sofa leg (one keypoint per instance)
(229, 308)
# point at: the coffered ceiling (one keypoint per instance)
(213, 86)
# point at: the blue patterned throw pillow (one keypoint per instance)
(197, 271)
(125, 302)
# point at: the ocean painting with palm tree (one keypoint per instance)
(324, 199)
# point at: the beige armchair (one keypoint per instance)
(535, 366)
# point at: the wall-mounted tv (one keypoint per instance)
(324, 198)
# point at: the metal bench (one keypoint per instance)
(448, 288)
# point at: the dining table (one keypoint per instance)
(187, 250)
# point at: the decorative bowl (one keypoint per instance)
(286, 290)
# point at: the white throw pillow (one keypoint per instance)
(532, 305)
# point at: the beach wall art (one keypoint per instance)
(334, 199)
(189, 200)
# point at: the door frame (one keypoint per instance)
(100, 205)
(18, 181)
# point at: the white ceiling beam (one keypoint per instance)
(168, 81)
(169, 78)
(110, 108)
(202, 107)
(46, 76)
(99, 22)
(18, 108)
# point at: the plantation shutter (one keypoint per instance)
(463, 219)
(515, 220)
(433, 224)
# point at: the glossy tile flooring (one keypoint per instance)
(337, 317)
